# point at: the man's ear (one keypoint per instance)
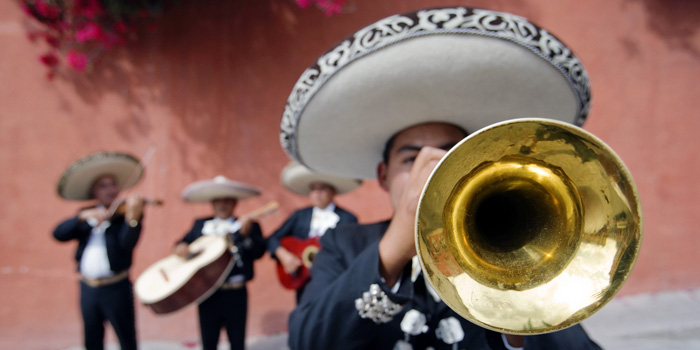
(382, 175)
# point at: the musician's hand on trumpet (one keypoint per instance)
(410, 173)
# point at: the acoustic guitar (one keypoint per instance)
(174, 282)
(305, 250)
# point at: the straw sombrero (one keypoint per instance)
(298, 179)
(77, 180)
(218, 187)
(464, 66)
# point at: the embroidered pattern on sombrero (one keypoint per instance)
(458, 20)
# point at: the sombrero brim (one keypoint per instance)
(298, 179)
(77, 180)
(208, 190)
(467, 67)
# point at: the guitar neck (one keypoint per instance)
(264, 210)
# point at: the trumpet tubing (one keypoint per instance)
(528, 226)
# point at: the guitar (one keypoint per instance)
(174, 282)
(304, 249)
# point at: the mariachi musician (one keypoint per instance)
(313, 221)
(468, 68)
(107, 233)
(227, 307)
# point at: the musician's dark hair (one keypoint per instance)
(390, 143)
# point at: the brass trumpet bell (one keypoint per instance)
(528, 226)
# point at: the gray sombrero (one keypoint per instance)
(298, 179)
(218, 187)
(464, 66)
(77, 180)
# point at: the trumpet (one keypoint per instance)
(528, 226)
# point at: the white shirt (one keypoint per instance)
(222, 227)
(322, 220)
(95, 263)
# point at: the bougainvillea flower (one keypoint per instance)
(89, 31)
(110, 40)
(88, 8)
(332, 9)
(304, 3)
(47, 10)
(49, 59)
(74, 28)
(53, 41)
(77, 60)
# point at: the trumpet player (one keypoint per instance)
(424, 81)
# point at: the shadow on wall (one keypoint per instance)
(676, 22)
(218, 69)
(223, 70)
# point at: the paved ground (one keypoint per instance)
(664, 321)
(660, 321)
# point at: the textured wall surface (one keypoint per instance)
(207, 88)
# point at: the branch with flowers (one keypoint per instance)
(78, 32)
(329, 7)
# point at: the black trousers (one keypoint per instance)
(113, 303)
(224, 309)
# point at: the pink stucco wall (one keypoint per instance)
(207, 88)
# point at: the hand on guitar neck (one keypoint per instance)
(247, 220)
(182, 249)
(246, 224)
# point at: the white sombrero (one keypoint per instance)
(77, 180)
(298, 179)
(218, 187)
(469, 67)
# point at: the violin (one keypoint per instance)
(120, 207)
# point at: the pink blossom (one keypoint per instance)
(110, 40)
(304, 3)
(332, 9)
(48, 11)
(88, 8)
(77, 60)
(90, 31)
(49, 59)
(53, 41)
